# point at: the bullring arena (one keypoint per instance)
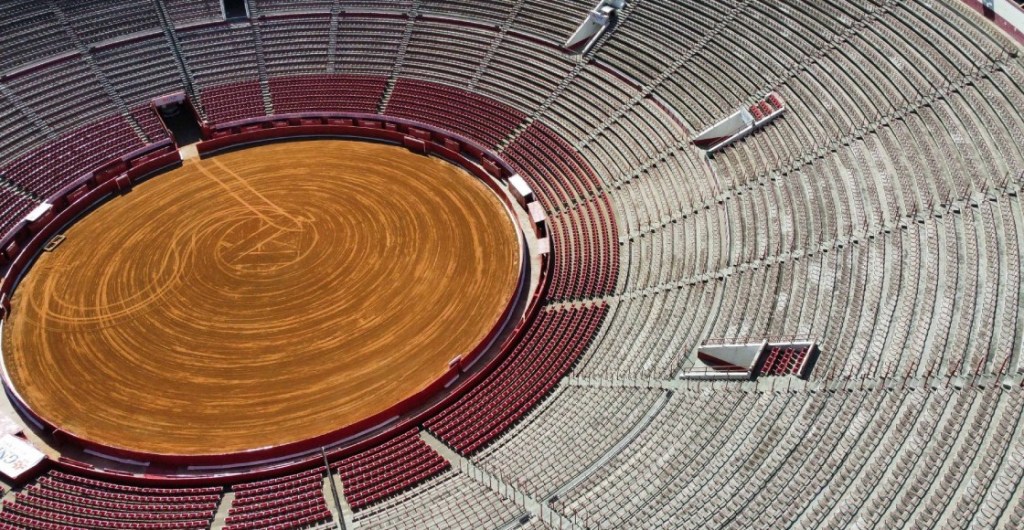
(288, 264)
(261, 298)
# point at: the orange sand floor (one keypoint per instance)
(261, 297)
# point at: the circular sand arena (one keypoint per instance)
(261, 297)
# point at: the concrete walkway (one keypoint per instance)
(342, 521)
(222, 510)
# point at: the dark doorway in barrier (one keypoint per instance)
(180, 119)
(235, 9)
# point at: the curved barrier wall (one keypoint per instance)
(23, 243)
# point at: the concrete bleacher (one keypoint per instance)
(49, 91)
(552, 20)
(391, 6)
(880, 217)
(489, 12)
(367, 45)
(188, 11)
(296, 45)
(534, 80)
(97, 21)
(428, 506)
(285, 6)
(431, 55)
(568, 415)
(140, 68)
(30, 31)
(694, 468)
(222, 60)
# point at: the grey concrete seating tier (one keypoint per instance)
(880, 216)
(450, 500)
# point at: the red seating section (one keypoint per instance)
(756, 111)
(765, 107)
(546, 353)
(586, 251)
(585, 233)
(13, 208)
(456, 110)
(150, 123)
(555, 171)
(327, 93)
(236, 101)
(210, 493)
(387, 469)
(292, 501)
(62, 501)
(48, 168)
(784, 361)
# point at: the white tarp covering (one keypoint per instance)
(520, 186)
(38, 212)
(1009, 12)
(543, 246)
(730, 356)
(537, 214)
(17, 456)
(730, 127)
(594, 25)
(596, 21)
(740, 123)
(520, 189)
(9, 425)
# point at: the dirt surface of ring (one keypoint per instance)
(261, 297)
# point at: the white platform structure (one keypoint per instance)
(740, 123)
(752, 360)
(597, 22)
(17, 456)
(38, 212)
(1006, 10)
(520, 189)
